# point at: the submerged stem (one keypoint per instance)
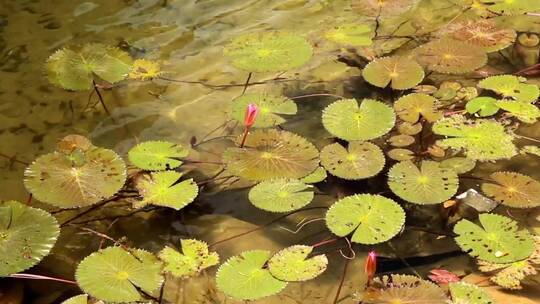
(343, 275)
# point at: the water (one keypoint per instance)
(187, 36)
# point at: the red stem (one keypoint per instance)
(324, 243)
(39, 277)
(246, 131)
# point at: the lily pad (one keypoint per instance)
(401, 140)
(482, 33)
(534, 150)
(270, 109)
(383, 8)
(459, 164)
(404, 289)
(114, 274)
(293, 265)
(510, 86)
(400, 73)
(511, 7)
(373, 218)
(80, 299)
(316, 176)
(468, 293)
(497, 240)
(482, 139)
(483, 106)
(349, 121)
(410, 107)
(281, 195)
(143, 69)
(400, 154)
(408, 128)
(431, 184)
(269, 154)
(360, 160)
(163, 189)
(513, 189)
(272, 51)
(81, 178)
(194, 258)
(26, 236)
(351, 34)
(157, 155)
(526, 112)
(245, 277)
(451, 56)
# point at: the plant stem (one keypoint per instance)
(244, 137)
(316, 95)
(247, 83)
(40, 277)
(101, 100)
(13, 159)
(527, 138)
(325, 242)
(343, 275)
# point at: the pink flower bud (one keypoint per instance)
(251, 115)
(370, 265)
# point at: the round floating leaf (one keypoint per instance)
(451, 56)
(526, 112)
(292, 265)
(468, 293)
(510, 86)
(348, 121)
(513, 190)
(481, 139)
(404, 289)
(194, 258)
(245, 277)
(281, 195)
(268, 51)
(400, 72)
(483, 106)
(157, 155)
(26, 235)
(401, 140)
(410, 107)
(497, 240)
(360, 160)
(269, 154)
(511, 7)
(534, 150)
(80, 299)
(459, 164)
(114, 274)
(316, 176)
(408, 128)
(373, 218)
(383, 8)
(400, 154)
(163, 189)
(143, 69)
(431, 184)
(270, 109)
(482, 33)
(351, 34)
(78, 179)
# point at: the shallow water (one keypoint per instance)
(187, 36)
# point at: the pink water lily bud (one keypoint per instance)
(251, 115)
(441, 276)
(370, 265)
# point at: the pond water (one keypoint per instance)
(193, 98)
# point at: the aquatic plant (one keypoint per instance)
(195, 257)
(358, 161)
(280, 195)
(270, 109)
(450, 56)
(350, 34)
(482, 33)
(400, 73)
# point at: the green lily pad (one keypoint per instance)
(483, 33)
(81, 178)
(410, 107)
(269, 154)
(408, 128)
(26, 236)
(513, 189)
(482, 139)
(510, 86)
(400, 73)
(483, 106)
(429, 184)
(157, 155)
(114, 274)
(360, 160)
(245, 277)
(281, 195)
(270, 108)
(194, 258)
(459, 164)
(80, 299)
(497, 240)
(401, 140)
(316, 176)
(373, 218)
(163, 189)
(75, 69)
(451, 56)
(511, 7)
(526, 112)
(400, 154)
(351, 34)
(293, 265)
(534, 150)
(272, 51)
(468, 293)
(405, 289)
(349, 121)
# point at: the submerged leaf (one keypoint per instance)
(497, 240)
(410, 107)
(408, 128)
(400, 154)
(347, 120)
(401, 140)
(510, 86)
(80, 299)
(400, 73)
(163, 189)
(157, 155)
(269, 154)
(431, 184)
(281, 195)
(513, 189)
(144, 70)
(360, 160)
(459, 164)
(293, 265)
(404, 289)
(535, 150)
(451, 56)
(26, 236)
(468, 293)
(373, 218)
(483, 106)
(270, 109)
(482, 33)
(194, 258)
(383, 8)
(272, 51)
(245, 276)
(526, 112)
(351, 34)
